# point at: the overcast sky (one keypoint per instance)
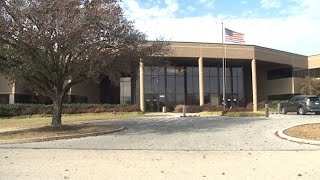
(289, 25)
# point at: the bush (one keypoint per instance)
(9, 110)
(210, 108)
(178, 108)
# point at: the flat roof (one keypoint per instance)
(243, 45)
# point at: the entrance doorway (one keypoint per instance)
(152, 103)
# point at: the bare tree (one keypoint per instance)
(55, 44)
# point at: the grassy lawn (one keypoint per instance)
(306, 131)
(37, 120)
(50, 131)
(211, 113)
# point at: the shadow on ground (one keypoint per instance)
(181, 124)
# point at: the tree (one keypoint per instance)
(53, 45)
(311, 86)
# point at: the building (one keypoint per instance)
(194, 76)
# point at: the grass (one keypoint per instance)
(233, 114)
(50, 131)
(211, 113)
(306, 131)
(38, 120)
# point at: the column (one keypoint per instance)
(69, 93)
(12, 94)
(142, 103)
(201, 89)
(254, 85)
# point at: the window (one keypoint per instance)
(125, 90)
(280, 73)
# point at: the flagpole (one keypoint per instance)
(225, 75)
(223, 72)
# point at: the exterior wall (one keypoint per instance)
(21, 88)
(206, 50)
(279, 86)
(5, 91)
(281, 57)
(276, 86)
(5, 86)
(89, 89)
(314, 62)
(262, 84)
(297, 85)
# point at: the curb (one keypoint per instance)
(60, 137)
(281, 134)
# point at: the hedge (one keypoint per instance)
(9, 110)
(209, 108)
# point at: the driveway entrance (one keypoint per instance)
(191, 133)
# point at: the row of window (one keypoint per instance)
(179, 85)
(288, 73)
(157, 83)
(190, 71)
(314, 73)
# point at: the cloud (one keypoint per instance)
(306, 7)
(191, 8)
(208, 3)
(296, 31)
(244, 2)
(137, 12)
(268, 4)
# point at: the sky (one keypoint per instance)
(288, 25)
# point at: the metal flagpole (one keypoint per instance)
(225, 75)
(223, 72)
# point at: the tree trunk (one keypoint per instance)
(57, 111)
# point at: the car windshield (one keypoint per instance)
(314, 98)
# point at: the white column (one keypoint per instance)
(254, 85)
(142, 103)
(69, 93)
(12, 94)
(201, 89)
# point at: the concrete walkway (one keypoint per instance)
(135, 164)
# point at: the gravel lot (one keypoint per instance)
(190, 133)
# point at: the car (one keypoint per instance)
(302, 104)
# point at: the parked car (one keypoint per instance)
(302, 104)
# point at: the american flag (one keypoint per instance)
(232, 36)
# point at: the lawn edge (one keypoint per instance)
(282, 135)
(31, 140)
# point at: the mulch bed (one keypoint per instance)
(306, 131)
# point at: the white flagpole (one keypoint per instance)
(223, 72)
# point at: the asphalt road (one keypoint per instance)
(190, 133)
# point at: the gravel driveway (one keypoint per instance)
(190, 133)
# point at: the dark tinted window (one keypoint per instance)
(280, 73)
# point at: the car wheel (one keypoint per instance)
(284, 110)
(302, 111)
(317, 113)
